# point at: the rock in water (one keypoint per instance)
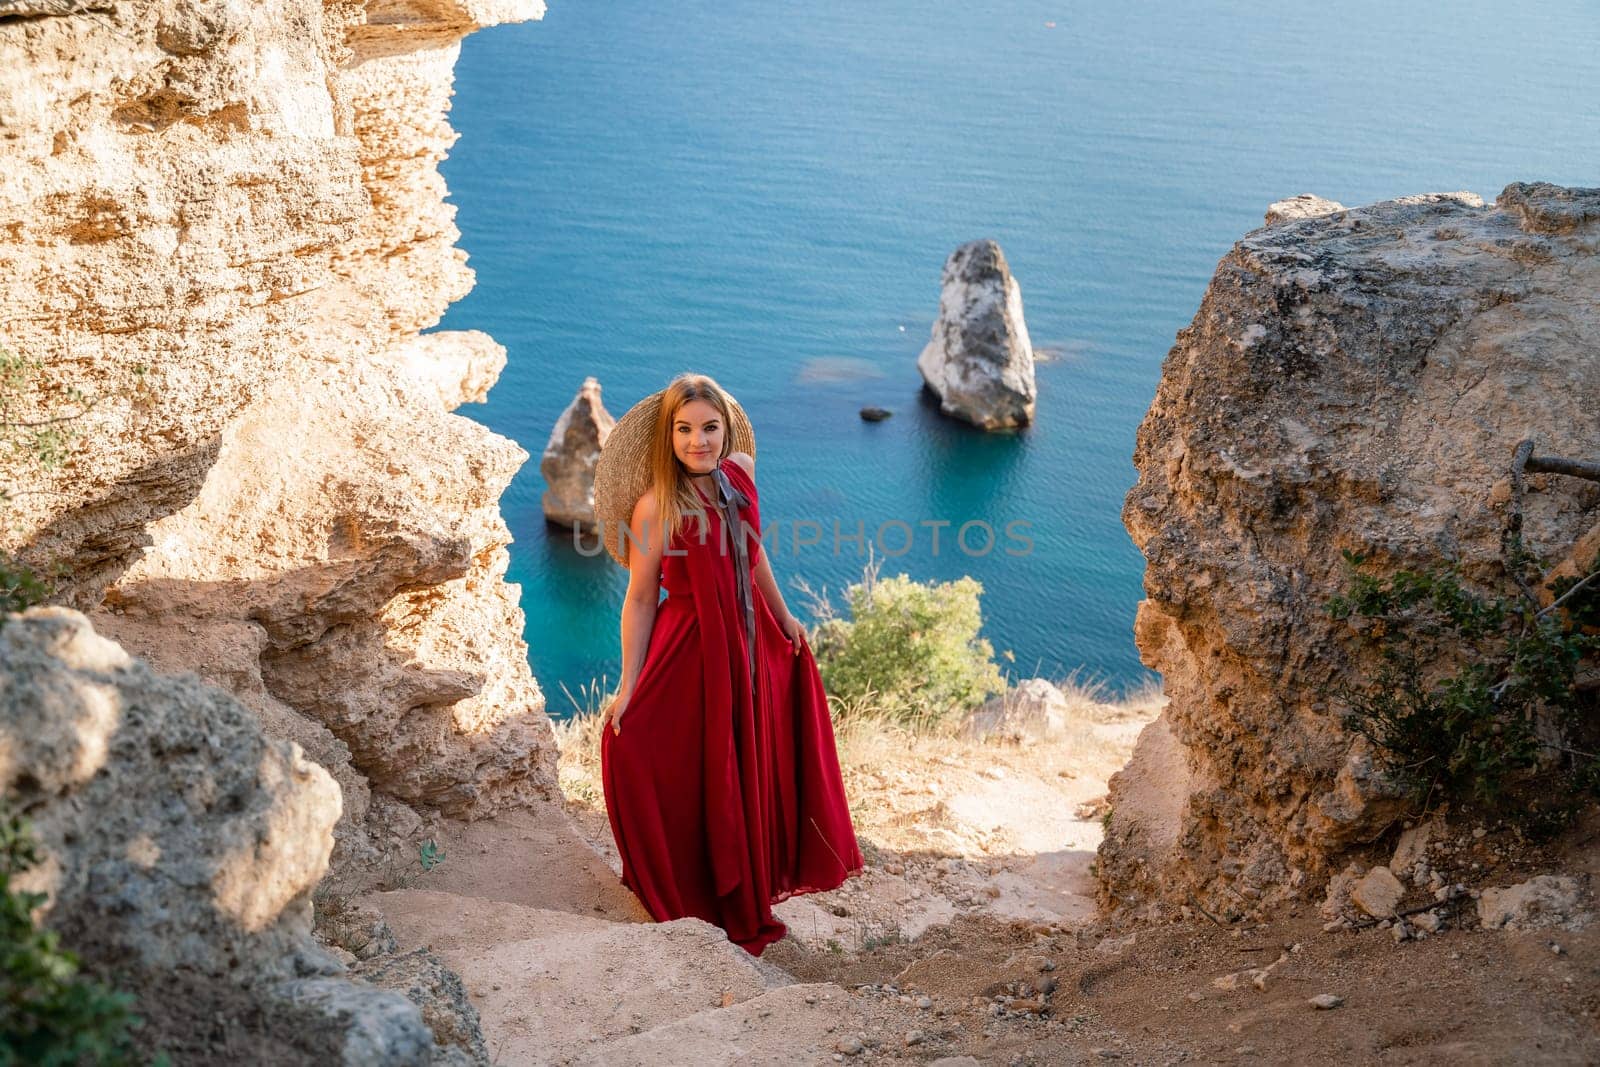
(979, 361)
(570, 457)
(1304, 206)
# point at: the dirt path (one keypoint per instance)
(971, 938)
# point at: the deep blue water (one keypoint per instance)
(766, 193)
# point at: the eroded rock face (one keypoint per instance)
(443, 1000)
(244, 200)
(1356, 380)
(179, 850)
(177, 835)
(979, 360)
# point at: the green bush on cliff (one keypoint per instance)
(49, 1015)
(20, 588)
(1477, 698)
(910, 650)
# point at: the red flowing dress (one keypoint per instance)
(723, 802)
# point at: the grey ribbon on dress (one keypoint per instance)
(729, 501)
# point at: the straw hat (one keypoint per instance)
(622, 474)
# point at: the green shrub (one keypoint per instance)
(49, 1016)
(20, 588)
(912, 647)
(1475, 697)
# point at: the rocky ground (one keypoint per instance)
(972, 938)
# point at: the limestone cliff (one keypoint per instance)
(1353, 380)
(243, 199)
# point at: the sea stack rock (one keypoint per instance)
(979, 361)
(570, 456)
(1304, 206)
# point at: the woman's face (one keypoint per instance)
(697, 432)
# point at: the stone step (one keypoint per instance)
(549, 985)
(795, 1024)
(537, 859)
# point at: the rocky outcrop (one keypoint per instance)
(437, 991)
(1544, 901)
(570, 456)
(1359, 381)
(180, 847)
(177, 834)
(979, 361)
(1028, 713)
(1304, 206)
(243, 201)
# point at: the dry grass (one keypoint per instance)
(1093, 713)
(1101, 726)
(578, 740)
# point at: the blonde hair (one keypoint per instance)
(676, 497)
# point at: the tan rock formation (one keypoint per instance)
(175, 833)
(1357, 380)
(1304, 206)
(1029, 712)
(1378, 893)
(244, 199)
(180, 847)
(1544, 901)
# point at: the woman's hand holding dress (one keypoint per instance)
(794, 630)
(614, 712)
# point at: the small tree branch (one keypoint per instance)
(1570, 751)
(1408, 912)
(29, 425)
(1519, 463)
(93, 402)
(1564, 597)
(1573, 468)
(1201, 909)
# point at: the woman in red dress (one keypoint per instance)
(718, 762)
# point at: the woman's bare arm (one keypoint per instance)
(644, 590)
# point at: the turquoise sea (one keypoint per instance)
(766, 193)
